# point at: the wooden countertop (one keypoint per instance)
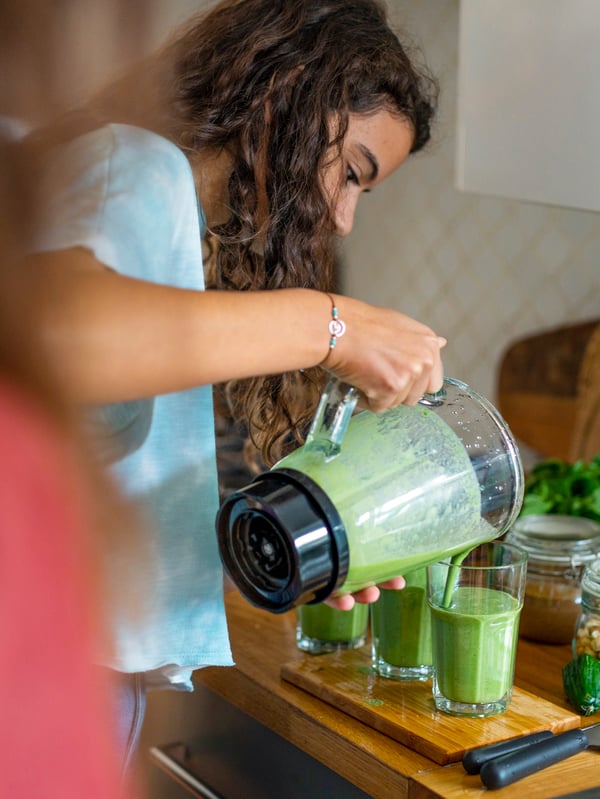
(372, 761)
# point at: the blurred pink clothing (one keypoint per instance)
(56, 739)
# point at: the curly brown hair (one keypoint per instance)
(262, 80)
(306, 61)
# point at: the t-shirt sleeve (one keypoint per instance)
(123, 193)
(128, 196)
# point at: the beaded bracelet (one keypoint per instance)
(336, 328)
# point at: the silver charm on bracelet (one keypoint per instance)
(337, 327)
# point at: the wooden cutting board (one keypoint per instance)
(405, 711)
(537, 389)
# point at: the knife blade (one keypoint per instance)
(506, 769)
(474, 759)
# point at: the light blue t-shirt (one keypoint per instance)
(128, 195)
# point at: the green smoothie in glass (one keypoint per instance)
(321, 628)
(401, 630)
(476, 600)
(474, 641)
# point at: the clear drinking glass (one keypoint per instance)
(321, 629)
(401, 630)
(475, 607)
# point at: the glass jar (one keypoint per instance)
(558, 549)
(586, 640)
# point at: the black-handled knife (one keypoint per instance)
(475, 758)
(509, 768)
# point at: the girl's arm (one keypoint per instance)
(114, 338)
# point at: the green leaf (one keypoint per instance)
(533, 504)
(556, 486)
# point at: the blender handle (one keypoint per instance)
(336, 406)
(335, 409)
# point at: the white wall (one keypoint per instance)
(169, 14)
(481, 270)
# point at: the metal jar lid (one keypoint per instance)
(557, 539)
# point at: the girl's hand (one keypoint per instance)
(389, 357)
(366, 595)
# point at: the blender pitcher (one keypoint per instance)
(370, 496)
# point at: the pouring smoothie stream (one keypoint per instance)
(372, 496)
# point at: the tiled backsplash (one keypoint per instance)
(481, 270)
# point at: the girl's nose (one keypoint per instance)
(344, 215)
